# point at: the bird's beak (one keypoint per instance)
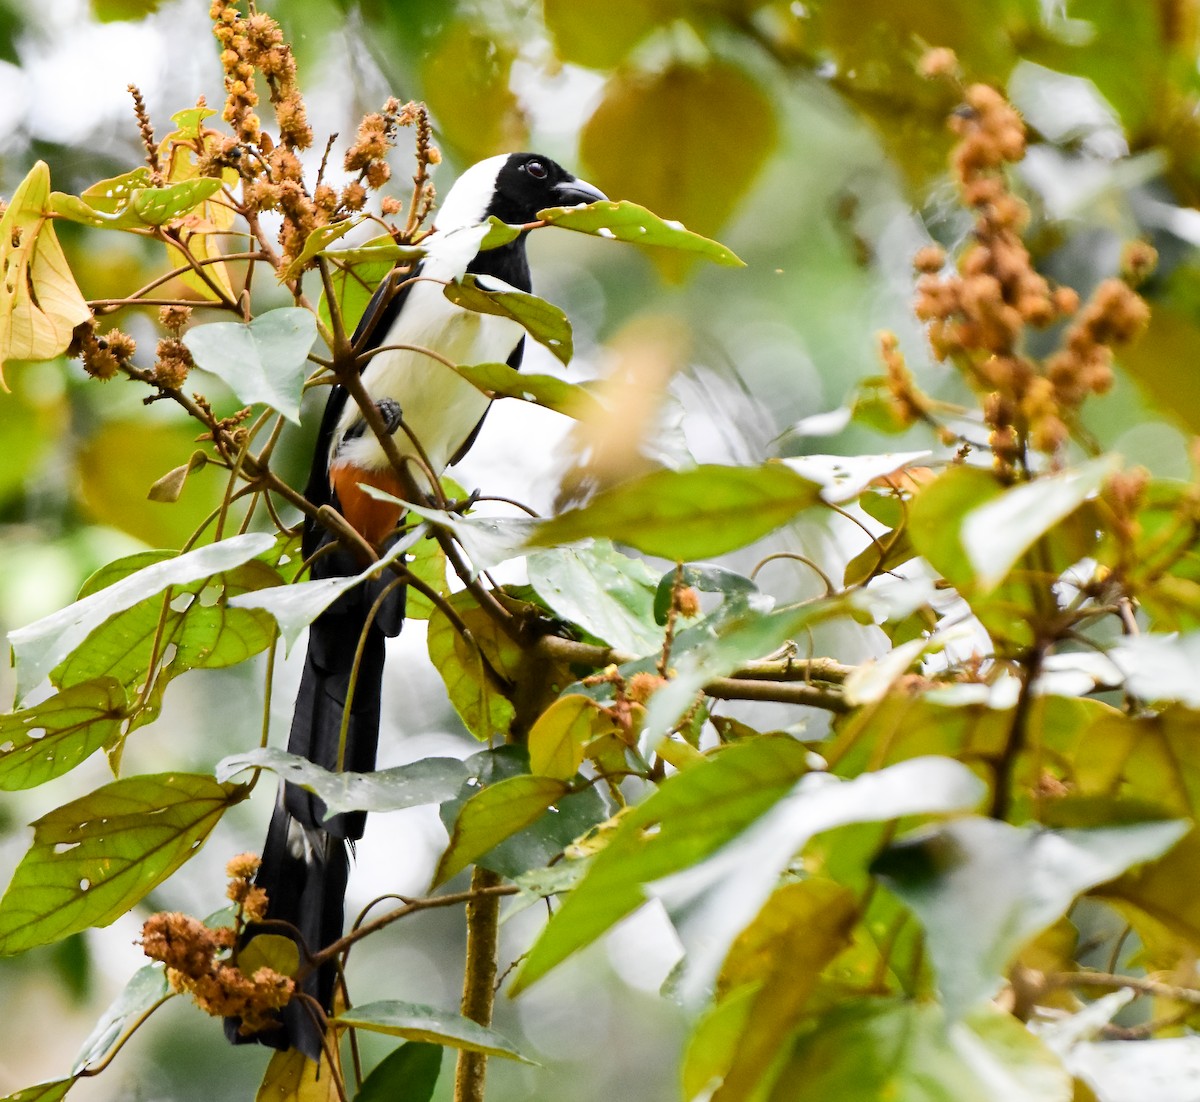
(572, 193)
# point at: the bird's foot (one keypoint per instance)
(389, 410)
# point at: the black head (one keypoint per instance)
(513, 187)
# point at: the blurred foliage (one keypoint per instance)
(1035, 683)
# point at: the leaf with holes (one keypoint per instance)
(137, 207)
(542, 320)
(44, 644)
(625, 221)
(95, 857)
(51, 738)
(40, 303)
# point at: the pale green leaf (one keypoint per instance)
(145, 990)
(426, 781)
(548, 391)
(416, 1022)
(264, 361)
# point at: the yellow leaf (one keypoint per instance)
(292, 1077)
(558, 738)
(696, 175)
(40, 304)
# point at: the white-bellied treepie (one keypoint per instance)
(305, 863)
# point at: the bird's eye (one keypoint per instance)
(536, 169)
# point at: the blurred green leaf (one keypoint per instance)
(542, 320)
(116, 490)
(581, 38)
(416, 1022)
(146, 989)
(409, 1074)
(43, 1092)
(798, 932)
(891, 1048)
(95, 857)
(45, 741)
(465, 80)
(1013, 881)
(426, 781)
(692, 514)
(696, 176)
(264, 361)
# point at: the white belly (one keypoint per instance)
(438, 406)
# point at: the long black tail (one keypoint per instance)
(305, 865)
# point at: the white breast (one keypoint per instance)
(438, 406)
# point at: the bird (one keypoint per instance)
(305, 861)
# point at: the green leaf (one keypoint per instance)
(121, 204)
(696, 811)
(716, 650)
(146, 989)
(317, 242)
(409, 1074)
(1160, 667)
(705, 577)
(693, 514)
(608, 594)
(557, 738)
(45, 741)
(1012, 881)
(697, 177)
(547, 391)
(542, 320)
(581, 38)
(625, 221)
(42, 645)
(169, 487)
(416, 1022)
(95, 857)
(935, 519)
(427, 781)
(275, 951)
(996, 534)
(888, 1048)
(42, 1092)
(40, 303)
(293, 607)
(263, 361)
(193, 625)
(496, 813)
(548, 836)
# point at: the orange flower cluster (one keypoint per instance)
(978, 313)
(102, 354)
(251, 44)
(173, 360)
(193, 954)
